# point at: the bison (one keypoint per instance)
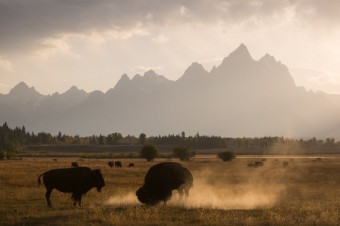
(74, 164)
(131, 164)
(111, 164)
(77, 181)
(258, 164)
(285, 164)
(161, 179)
(118, 164)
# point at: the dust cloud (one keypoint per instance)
(206, 196)
(129, 199)
(257, 188)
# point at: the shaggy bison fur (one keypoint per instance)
(161, 179)
(77, 181)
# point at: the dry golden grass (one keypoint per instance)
(305, 193)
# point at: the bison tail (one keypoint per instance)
(39, 182)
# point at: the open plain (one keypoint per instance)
(306, 192)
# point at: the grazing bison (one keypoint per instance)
(111, 164)
(77, 181)
(131, 165)
(161, 179)
(285, 164)
(118, 164)
(74, 164)
(258, 164)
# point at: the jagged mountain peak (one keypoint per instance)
(137, 77)
(268, 59)
(23, 90)
(21, 85)
(124, 77)
(75, 90)
(239, 56)
(194, 71)
(241, 52)
(150, 74)
(196, 67)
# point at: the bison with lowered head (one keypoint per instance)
(161, 179)
(77, 181)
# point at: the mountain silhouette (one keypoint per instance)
(240, 97)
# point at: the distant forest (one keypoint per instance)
(12, 140)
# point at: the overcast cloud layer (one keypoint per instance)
(53, 44)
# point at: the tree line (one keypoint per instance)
(12, 140)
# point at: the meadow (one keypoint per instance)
(307, 192)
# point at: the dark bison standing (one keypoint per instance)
(131, 164)
(77, 181)
(258, 164)
(118, 164)
(161, 179)
(111, 164)
(74, 164)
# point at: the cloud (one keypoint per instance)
(141, 69)
(317, 80)
(160, 38)
(5, 65)
(25, 23)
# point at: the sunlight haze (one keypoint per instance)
(53, 45)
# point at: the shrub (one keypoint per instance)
(183, 153)
(149, 151)
(226, 156)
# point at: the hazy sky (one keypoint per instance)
(54, 44)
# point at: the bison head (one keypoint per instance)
(144, 196)
(152, 197)
(97, 179)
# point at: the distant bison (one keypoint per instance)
(74, 164)
(258, 164)
(77, 181)
(161, 179)
(131, 165)
(111, 164)
(255, 164)
(118, 164)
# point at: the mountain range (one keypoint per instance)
(240, 97)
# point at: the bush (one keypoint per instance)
(226, 156)
(183, 153)
(149, 151)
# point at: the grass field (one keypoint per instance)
(307, 192)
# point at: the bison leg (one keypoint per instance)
(48, 195)
(76, 198)
(186, 192)
(181, 193)
(79, 200)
